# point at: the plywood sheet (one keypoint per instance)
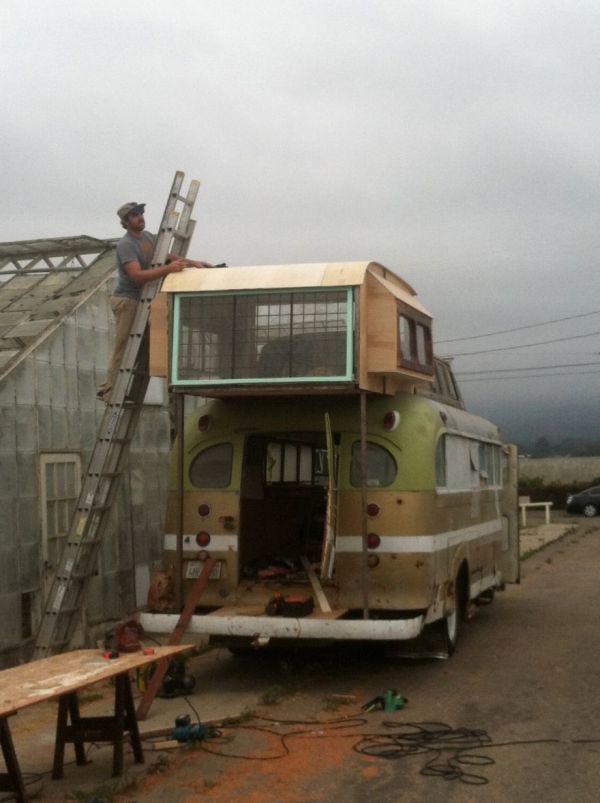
(159, 336)
(49, 678)
(266, 277)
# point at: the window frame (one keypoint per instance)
(348, 376)
(371, 443)
(477, 475)
(54, 459)
(203, 451)
(414, 319)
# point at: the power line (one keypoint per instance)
(528, 368)
(526, 376)
(523, 345)
(519, 328)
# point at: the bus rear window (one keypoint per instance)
(212, 467)
(381, 466)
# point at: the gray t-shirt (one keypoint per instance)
(132, 249)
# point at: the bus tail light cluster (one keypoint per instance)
(373, 540)
(203, 539)
(204, 423)
(391, 420)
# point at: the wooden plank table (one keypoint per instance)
(61, 677)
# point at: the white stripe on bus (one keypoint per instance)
(489, 530)
(218, 543)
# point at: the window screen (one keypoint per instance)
(263, 337)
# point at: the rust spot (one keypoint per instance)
(418, 564)
(398, 501)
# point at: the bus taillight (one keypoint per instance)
(373, 540)
(203, 539)
(391, 420)
(204, 510)
(373, 510)
(204, 423)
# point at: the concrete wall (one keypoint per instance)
(560, 469)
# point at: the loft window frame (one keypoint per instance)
(414, 318)
(349, 376)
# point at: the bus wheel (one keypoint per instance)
(450, 630)
(447, 628)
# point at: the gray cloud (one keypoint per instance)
(454, 142)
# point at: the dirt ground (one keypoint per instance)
(513, 710)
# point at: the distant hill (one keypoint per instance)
(557, 421)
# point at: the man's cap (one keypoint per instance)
(132, 206)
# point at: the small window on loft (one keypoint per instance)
(423, 356)
(406, 338)
(414, 341)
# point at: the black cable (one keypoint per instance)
(526, 368)
(518, 328)
(450, 752)
(526, 376)
(523, 345)
(436, 738)
(189, 702)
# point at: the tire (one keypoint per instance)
(446, 629)
(590, 510)
(450, 630)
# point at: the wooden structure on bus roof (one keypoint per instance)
(285, 329)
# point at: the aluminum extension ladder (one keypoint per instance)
(109, 456)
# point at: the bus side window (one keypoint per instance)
(440, 463)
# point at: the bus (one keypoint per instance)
(329, 514)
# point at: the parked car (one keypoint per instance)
(586, 502)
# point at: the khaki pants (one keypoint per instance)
(124, 310)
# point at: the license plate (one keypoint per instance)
(194, 569)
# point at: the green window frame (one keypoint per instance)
(292, 331)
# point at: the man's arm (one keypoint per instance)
(190, 263)
(139, 276)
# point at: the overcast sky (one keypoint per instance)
(454, 141)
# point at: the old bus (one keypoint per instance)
(333, 473)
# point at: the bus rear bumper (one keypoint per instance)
(279, 627)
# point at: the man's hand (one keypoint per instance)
(177, 265)
(187, 263)
(197, 263)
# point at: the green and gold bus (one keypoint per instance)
(342, 497)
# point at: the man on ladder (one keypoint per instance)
(134, 259)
